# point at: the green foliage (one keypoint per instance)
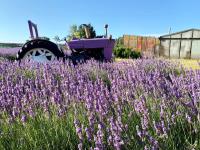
(122, 52)
(29, 74)
(102, 74)
(45, 38)
(47, 130)
(8, 57)
(119, 41)
(9, 45)
(91, 30)
(79, 32)
(39, 132)
(57, 39)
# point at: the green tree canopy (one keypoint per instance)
(79, 31)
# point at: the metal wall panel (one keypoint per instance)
(196, 34)
(164, 49)
(185, 49)
(187, 34)
(176, 36)
(195, 53)
(174, 48)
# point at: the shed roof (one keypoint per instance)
(163, 36)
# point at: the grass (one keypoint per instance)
(121, 59)
(187, 63)
(39, 132)
(43, 132)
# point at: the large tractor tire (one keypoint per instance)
(39, 50)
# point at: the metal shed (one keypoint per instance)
(184, 44)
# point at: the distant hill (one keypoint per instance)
(10, 45)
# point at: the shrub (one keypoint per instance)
(122, 52)
(8, 57)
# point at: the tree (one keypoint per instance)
(82, 33)
(45, 38)
(73, 32)
(57, 39)
(79, 32)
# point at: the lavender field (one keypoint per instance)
(9, 51)
(140, 104)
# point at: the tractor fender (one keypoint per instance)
(40, 43)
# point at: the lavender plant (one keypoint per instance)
(140, 104)
(9, 53)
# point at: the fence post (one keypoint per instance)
(141, 44)
(154, 46)
(159, 48)
(137, 43)
(128, 41)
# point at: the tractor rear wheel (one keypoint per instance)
(40, 51)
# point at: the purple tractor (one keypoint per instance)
(41, 50)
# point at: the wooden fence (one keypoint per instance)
(141, 43)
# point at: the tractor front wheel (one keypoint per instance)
(40, 51)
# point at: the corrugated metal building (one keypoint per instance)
(184, 44)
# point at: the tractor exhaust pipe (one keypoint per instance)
(106, 28)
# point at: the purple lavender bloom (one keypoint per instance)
(80, 146)
(23, 118)
(104, 98)
(9, 51)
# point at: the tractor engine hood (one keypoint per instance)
(106, 44)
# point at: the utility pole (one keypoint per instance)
(170, 29)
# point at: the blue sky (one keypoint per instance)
(138, 17)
